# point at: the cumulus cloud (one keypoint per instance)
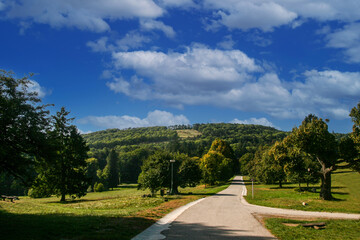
(177, 3)
(255, 121)
(150, 25)
(348, 39)
(155, 118)
(34, 86)
(229, 78)
(82, 14)
(243, 14)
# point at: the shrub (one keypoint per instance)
(99, 187)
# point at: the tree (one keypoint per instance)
(313, 138)
(65, 173)
(225, 149)
(111, 170)
(155, 172)
(351, 147)
(190, 172)
(23, 125)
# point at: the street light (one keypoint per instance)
(172, 177)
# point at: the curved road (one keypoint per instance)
(225, 215)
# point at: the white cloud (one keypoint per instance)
(255, 121)
(244, 14)
(347, 38)
(82, 14)
(150, 25)
(34, 86)
(177, 3)
(203, 76)
(131, 40)
(155, 118)
(227, 43)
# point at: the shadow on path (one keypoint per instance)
(201, 231)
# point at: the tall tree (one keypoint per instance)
(313, 138)
(112, 170)
(23, 125)
(65, 173)
(351, 147)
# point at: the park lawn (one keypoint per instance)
(118, 214)
(346, 191)
(335, 229)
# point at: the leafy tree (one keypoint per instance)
(65, 174)
(225, 149)
(190, 172)
(313, 138)
(23, 125)
(155, 172)
(350, 148)
(244, 162)
(111, 170)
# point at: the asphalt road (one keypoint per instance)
(221, 216)
(226, 215)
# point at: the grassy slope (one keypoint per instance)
(346, 190)
(118, 214)
(188, 133)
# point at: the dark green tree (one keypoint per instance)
(23, 125)
(111, 170)
(65, 173)
(190, 172)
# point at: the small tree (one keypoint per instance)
(155, 172)
(190, 172)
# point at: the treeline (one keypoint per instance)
(133, 146)
(113, 138)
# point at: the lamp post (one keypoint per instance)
(172, 177)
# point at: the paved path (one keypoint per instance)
(225, 215)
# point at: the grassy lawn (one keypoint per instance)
(118, 214)
(346, 191)
(335, 229)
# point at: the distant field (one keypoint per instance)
(188, 133)
(118, 214)
(346, 190)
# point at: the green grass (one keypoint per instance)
(335, 229)
(118, 214)
(346, 191)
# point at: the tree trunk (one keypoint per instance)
(325, 192)
(280, 184)
(62, 198)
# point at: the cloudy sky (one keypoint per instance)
(126, 63)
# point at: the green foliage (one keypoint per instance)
(190, 172)
(155, 172)
(99, 187)
(245, 162)
(354, 158)
(65, 174)
(23, 125)
(111, 170)
(215, 167)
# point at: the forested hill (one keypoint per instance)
(133, 146)
(192, 140)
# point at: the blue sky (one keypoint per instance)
(126, 63)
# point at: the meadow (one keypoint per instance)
(346, 191)
(118, 214)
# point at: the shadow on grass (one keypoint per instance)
(180, 230)
(59, 226)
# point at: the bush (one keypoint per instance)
(38, 193)
(99, 187)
